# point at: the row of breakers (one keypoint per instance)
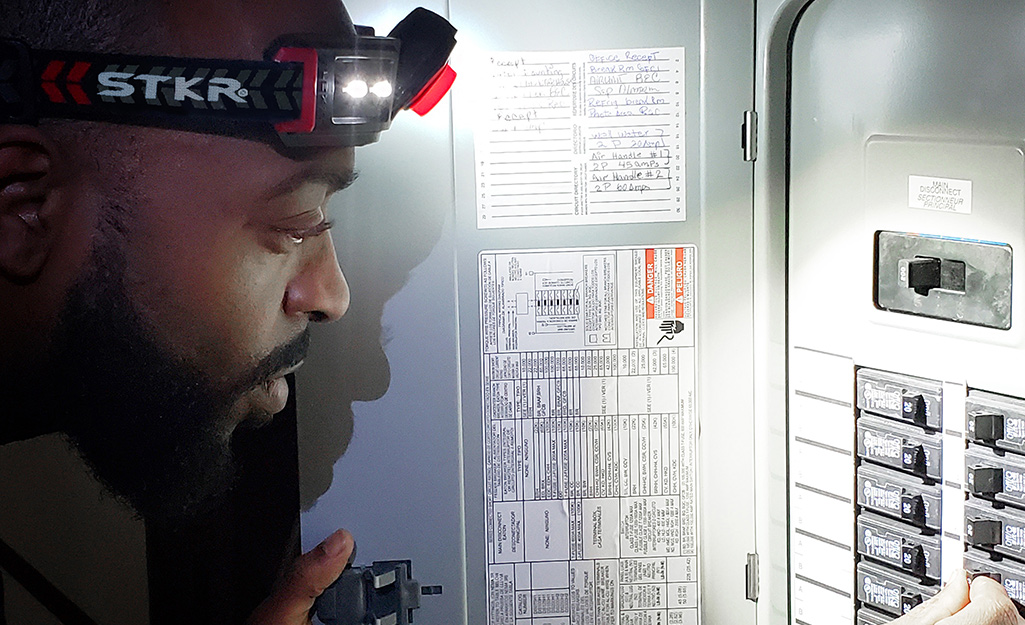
(901, 485)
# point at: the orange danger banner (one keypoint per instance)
(678, 271)
(649, 282)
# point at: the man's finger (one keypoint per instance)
(989, 605)
(311, 573)
(943, 604)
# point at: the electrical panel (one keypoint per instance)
(905, 344)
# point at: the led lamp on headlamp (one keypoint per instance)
(308, 96)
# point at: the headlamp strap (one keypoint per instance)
(37, 84)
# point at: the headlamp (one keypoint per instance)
(308, 96)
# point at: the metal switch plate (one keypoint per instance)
(944, 278)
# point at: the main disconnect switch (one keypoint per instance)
(947, 278)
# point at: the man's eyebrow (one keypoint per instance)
(333, 179)
(336, 181)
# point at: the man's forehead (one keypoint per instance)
(244, 29)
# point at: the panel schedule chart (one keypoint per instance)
(573, 138)
(590, 436)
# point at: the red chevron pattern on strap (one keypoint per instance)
(49, 84)
(74, 85)
(52, 82)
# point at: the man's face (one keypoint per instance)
(183, 325)
(230, 257)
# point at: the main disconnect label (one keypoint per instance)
(590, 436)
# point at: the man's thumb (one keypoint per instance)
(990, 605)
(309, 575)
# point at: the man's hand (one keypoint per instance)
(945, 603)
(310, 574)
(984, 603)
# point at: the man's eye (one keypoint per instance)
(297, 236)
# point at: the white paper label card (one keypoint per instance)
(573, 138)
(590, 435)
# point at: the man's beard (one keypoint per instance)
(154, 429)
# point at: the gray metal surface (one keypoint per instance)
(718, 207)
(379, 429)
(409, 479)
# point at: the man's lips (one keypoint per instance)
(271, 395)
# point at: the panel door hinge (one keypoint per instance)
(749, 136)
(751, 571)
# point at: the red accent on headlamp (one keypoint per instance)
(435, 90)
(308, 117)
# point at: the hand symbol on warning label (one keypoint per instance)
(670, 329)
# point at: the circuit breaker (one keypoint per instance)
(995, 479)
(901, 490)
(900, 493)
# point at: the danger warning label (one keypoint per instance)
(668, 283)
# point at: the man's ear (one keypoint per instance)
(27, 229)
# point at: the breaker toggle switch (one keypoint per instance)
(912, 508)
(987, 427)
(908, 601)
(913, 458)
(912, 558)
(912, 406)
(925, 273)
(996, 577)
(920, 274)
(943, 277)
(984, 532)
(985, 480)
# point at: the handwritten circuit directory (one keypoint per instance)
(575, 138)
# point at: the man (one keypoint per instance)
(157, 284)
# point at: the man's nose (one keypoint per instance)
(319, 290)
